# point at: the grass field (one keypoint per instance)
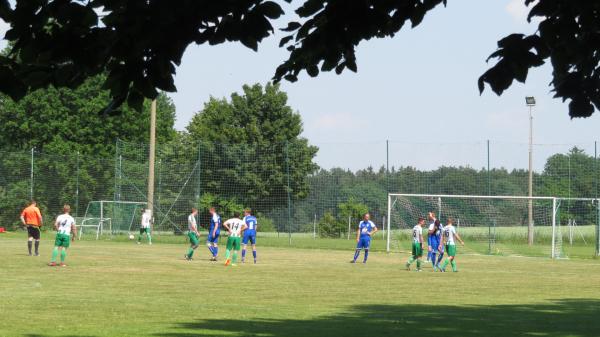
(117, 288)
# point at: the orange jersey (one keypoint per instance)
(32, 216)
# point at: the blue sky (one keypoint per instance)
(418, 90)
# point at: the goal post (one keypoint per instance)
(112, 217)
(498, 224)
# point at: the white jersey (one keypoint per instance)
(192, 226)
(235, 225)
(146, 218)
(65, 224)
(432, 225)
(417, 233)
(449, 232)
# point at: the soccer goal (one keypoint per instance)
(110, 217)
(499, 224)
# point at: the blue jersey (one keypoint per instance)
(366, 227)
(434, 238)
(215, 220)
(251, 222)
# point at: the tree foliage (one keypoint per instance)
(249, 144)
(139, 43)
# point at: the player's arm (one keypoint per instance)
(39, 215)
(442, 242)
(56, 224)
(226, 225)
(74, 232)
(457, 237)
(23, 218)
(217, 224)
(375, 229)
(358, 234)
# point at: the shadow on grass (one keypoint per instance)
(558, 318)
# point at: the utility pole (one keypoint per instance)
(530, 101)
(152, 156)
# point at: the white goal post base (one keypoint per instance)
(490, 213)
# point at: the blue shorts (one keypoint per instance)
(364, 242)
(249, 236)
(214, 239)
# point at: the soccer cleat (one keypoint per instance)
(36, 254)
(254, 261)
(234, 264)
(150, 243)
(187, 258)
(418, 270)
(139, 243)
(227, 262)
(63, 265)
(407, 266)
(353, 261)
(52, 264)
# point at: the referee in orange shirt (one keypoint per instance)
(32, 218)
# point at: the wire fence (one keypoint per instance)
(281, 183)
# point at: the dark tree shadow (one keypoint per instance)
(571, 317)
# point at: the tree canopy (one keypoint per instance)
(139, 43)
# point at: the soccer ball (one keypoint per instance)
(131, 237)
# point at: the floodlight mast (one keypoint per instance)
(530, 101)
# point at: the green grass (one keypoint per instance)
(116, 288)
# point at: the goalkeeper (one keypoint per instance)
(192, 234)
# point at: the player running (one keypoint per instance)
(32, 219)
(234, 226)
(64, 225)
(192, 234)
(417, 245)
(146, 226)
(366, 229)
(430, 249)
(214, 231)
(249, 233)
(434, 240)
(449, 235)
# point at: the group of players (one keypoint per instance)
(236, 228)
(441, 239)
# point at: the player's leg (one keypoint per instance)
(244, 245)
(440, 257)
(450, 252)
(236, 249)
(418, 255)
(54, 251)
(149, 234)
(413, 256)
(453, 259)
(139, 240)
(209, 244)
(367, 245)
(216, 246)
(228, 250)
(359, 247)
(29, 239)
(36, 238)
(253, 241)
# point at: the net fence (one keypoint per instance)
(285, 188)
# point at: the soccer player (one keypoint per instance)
(31, 217)
(145, 227)
(435, 238)
(192, 234)
(449, 236)
(234, 226)
(417, 245)
(64, 225)
(249, 233)
(214, 231)
(430, 248)
(366, 229)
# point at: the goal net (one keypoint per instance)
(499, 224)
(111, 217)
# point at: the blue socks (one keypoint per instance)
(356, 254)
(254, 254)
(215, 251)
(243, 254)
(432, 258)
(366, 256)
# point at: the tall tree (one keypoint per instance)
(248, 146)
(140, 42)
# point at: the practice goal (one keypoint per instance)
(499, 224)
(111, 217)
